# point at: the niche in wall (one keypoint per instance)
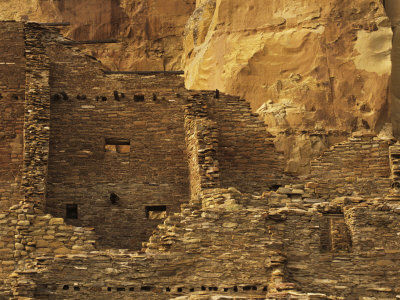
(71, 211)
(156, 212)
(117, 145)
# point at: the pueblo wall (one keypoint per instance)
(12, 95)
(247, 156)
(359, 166)
(90, 107)
(114, 186)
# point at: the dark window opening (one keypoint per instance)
(109, 289)
(213, 288)
(56, 97)
(334, 234)
(249, 288)
(138, 98)
(156, 212)
(14, 97)
(226, 289)
(131, 289)
(191, 290)
(275, 187)
(64, 95)
(180, 290)
(66, 287)
(235, 288)
(203, 288)
(154, 97)
(114, 198)
(117, 145)
(145, 288)
(71, 211)
(265, 289)
(120, 289)
(77, 288)
(167, 289)
(103, 98)
(116, 95)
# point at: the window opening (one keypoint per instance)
(156, 212)
(114, 198)
(117, 145)
(71, 211)
(138, 98)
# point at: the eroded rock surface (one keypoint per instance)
(149, 31)
(322, 66)
(393, 11)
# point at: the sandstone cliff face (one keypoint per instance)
(149, 31)
(305, 66)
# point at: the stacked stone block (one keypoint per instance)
(37, 118)
(246, 153)
(202, 147)
(12, 90)
(229, 240)
(359, 166)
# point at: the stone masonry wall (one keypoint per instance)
(202, 147)
(247, 156)
(36, 118)
(89, 108)
(180, 260)
(234, 243)
(114, 186)
(356, 256)
(12, 95)
(245, 252)
(359, 166)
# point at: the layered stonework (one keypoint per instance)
(12, 94)
(195, 177)
(357, 167)
(37, 117)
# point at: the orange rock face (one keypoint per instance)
(305, 66)
(149, 31)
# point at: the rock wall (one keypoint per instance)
(12, 95)
(111, 160)
(305, 66)
(149, 31)
(288, 243)
(364, 160)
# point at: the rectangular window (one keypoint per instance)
(156, 212)
(335, 235)
(117, 145)
(138, 98)
(71, 211)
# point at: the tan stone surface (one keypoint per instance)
(149, 31)
(318, 65)
(393, 11)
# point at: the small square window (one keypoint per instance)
(71, 211)
(138, 98)
(117, 145)
(156, 212)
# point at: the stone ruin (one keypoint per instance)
(128, 186)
